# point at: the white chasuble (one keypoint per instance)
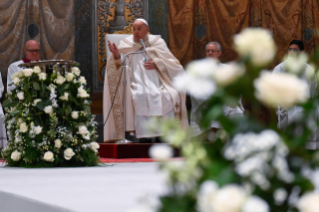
(149, 93)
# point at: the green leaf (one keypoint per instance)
(41, 105)
(36, 86)
(6, 103)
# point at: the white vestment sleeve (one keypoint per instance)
(11, 71)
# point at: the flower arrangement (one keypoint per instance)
(48, 120)
(248, 165)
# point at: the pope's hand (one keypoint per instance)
(150, 65)
(113, 48)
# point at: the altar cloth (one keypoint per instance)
(115, 188)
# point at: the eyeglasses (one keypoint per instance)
(37, 51)
(213, 51)
(293, 50)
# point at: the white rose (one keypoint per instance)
(48, 109)
(35, 102)
(16, 81)
(16, 156)
(20, 95)
(206, 194)
(42, 76)
(75, 114)
(37, 130)
(255, 204)
(197, 80)
(82, 80)
(296, 63)
(257, 43)
(48, 156)
(68, 153)
(82, 93)
(94, 146)
(83, 130)
(280, 89)
(15, 75)
(161, 152)
(60, 80)
(236, 194)
(37, 69)
(57, 143)
(20, 74)
(309, 202)
(23, 127)
(20, 121)
(76, 71)
(27, 72)
(69, 77)
(65, 97)
(227, 74)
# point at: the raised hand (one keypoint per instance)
(113, 48)
(150, 65)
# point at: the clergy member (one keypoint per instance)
(213, 50)
(285, 117)
(149, 90)
(32, 53)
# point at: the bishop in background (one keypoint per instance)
(149, 90)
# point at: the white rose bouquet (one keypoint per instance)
(49, 120)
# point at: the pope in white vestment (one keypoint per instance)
(149, 91)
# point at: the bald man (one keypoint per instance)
(149, 90)
(32, 53)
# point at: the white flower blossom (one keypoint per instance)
(68, 154)
(94, 146)
(82, 93)
(161, 152)
(280, 195)
(23, 127)
(280, 89)
(76, 71)
(255, 204)
(35, 102)
(20, 74)
(48, 156)
(37, 69)
(197, 80)
(65, 97)
(16, 155)
(60, 80)
(222, 203)
(37, 130)
(20, 95)
(83, 130)
(227, 74)
(57, 143)
(42, 76)
(27, 72)
(296, 63)
(309, 202)
(16, 81)
(82, 80)
(75, 114)
(256, 43)
(48, 109)
(69, 77)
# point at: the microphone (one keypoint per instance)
(145, 56)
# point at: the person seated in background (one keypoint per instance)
(32, 53)
(285, 117)
(213, 50)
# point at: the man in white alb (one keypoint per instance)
(149, 91)
(32, 53)
(213, 50)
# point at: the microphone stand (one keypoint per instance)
(125, 141)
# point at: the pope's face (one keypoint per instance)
(140, 30)
(212, 51)
(32, 50)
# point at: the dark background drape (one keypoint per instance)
(194, 23)
(51, 23)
